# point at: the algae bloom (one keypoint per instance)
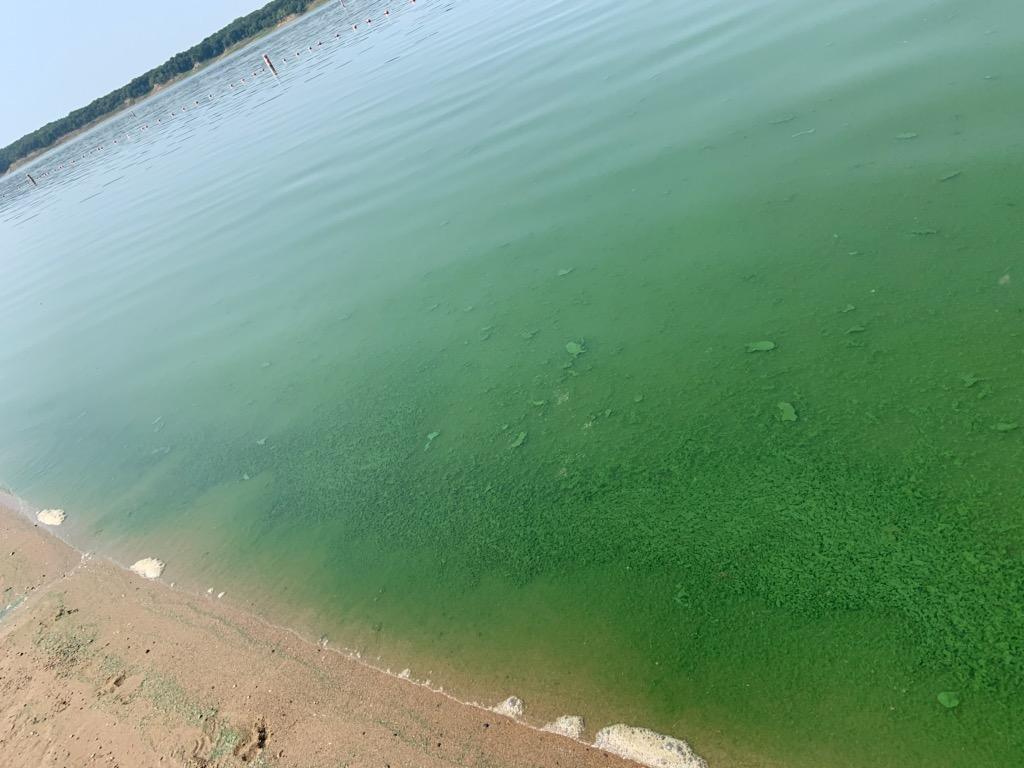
(575, 348)
(786, 411)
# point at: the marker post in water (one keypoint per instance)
(270, 64)
(31, 179)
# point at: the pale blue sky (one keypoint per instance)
(58, 55)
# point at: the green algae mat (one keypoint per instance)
(660, 364)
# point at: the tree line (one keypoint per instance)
(237, 31)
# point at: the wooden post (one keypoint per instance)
(269, 63)
(31, 179)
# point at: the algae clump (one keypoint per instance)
(786, 411)
(761, 346)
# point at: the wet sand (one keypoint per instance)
(101, 667)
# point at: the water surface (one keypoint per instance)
(440, 345)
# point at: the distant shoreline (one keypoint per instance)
(22, 160)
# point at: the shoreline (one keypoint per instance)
(129, 104)
(55, 610)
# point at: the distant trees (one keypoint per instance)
(237, 31)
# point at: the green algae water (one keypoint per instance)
(659, 362)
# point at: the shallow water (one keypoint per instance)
(548, 235)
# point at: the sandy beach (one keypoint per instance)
(102, 667)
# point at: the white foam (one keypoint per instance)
(567, 725)
(511, 707)
(51, 516)
(405, 673)
(647, 747)
(148, 568)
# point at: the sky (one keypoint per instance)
(58, 55)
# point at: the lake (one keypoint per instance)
(657, 362)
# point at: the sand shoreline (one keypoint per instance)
(161, 674)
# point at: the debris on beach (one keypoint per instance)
(520, 439)
(761, 346)
(571, 726)
(647, 747)
(431, 437)
(949, 699)
(148, 568)
(511, 707)
(575, 348)
(51, 516)
(906, 136)
(565, 271)
(1006, 426)
(405, 674)
(786, 411)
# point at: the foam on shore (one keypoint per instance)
(570, 726)
(647, 747)
(148, 568)
(511, 707)
(639, 745)
(51, 516)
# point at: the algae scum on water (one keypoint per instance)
(681, 390)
